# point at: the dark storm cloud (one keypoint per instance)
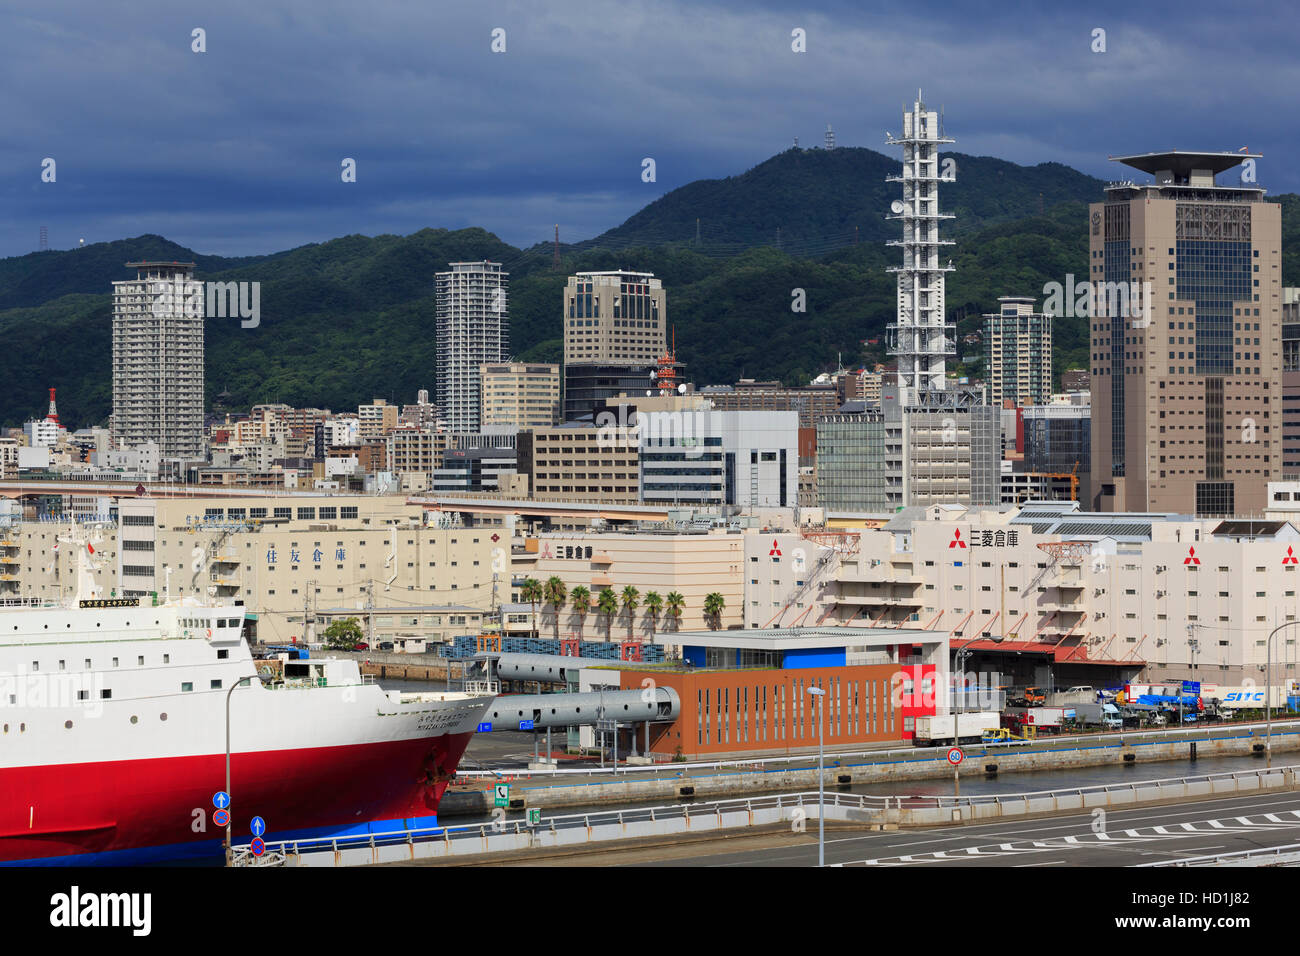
(238, 150)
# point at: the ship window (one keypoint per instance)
(215, 685)
(135, 719)
(63, 665)
(105, 694)
(83, 695)
(186, 687)
(162, 716)
(36, 665)
(140, 660)
(87, 663)
(167, 658)
(67, 725)
(115, 662)
(222, 655)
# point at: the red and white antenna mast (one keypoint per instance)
(53, 414)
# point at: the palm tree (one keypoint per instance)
(675, 604)
(556, 595)
(714, 605)
(531, 592)
(581, 598)
(653, 604)
(607, 604)
(630, 595)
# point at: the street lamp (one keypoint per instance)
(962, 654)
(818, 694)
(1268, 694)
(242, 682)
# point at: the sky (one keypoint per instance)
(239, 149)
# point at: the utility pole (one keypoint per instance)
(370, 609)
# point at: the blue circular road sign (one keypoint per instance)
(257, 826)
(221, 799)
(221, 817)
(257, 846)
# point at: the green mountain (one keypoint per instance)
(351, 319)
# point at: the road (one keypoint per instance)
(1121, 838)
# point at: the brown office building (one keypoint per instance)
(1186, 338)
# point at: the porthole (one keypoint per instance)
(67, 725)
(22, 728)
(96, 624)
(135, 719)
(162, 717)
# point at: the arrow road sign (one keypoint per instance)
(221, 799)
(257, 827)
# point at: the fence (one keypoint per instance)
(575, 830)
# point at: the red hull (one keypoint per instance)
(74, 809)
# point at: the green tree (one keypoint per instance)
(556, 595)
(630, 600)
(714, 605)
(531, 592)
(653, 605)
(581, 598)
(343, 635)
(676, 604)
(607, 604)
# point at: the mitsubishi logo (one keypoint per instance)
(776, 549)
(1290, 556)
(956, 541)
(1191, 556)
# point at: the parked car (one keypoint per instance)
(362, 646)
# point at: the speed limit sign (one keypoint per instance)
(955, 756)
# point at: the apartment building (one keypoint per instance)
(158, 359)
(473, 327)
(376, 420)
(1018, 352)
(415, 451)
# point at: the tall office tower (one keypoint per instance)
(472, 328)
(1291, 382)
(1187, 411)
(158, 359)
(615, 332)
(921, 336)
(1018, 352)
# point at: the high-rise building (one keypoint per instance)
(921, 336)
(1186, 325)
(158, 359)
(1018, 352)
(1291, 382)
(473, 328)
(1058, 441)
(615, 333)
(520, 394)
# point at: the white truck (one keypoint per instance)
(934, 731)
